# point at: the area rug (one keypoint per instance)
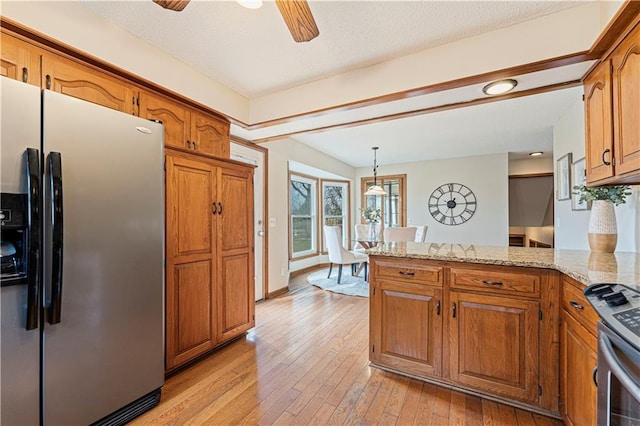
(352, 286)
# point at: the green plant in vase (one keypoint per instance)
(372, 216)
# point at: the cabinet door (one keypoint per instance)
(235, 198)
(174, 117)
(209, 135)
(190, 188)
(191, 296)
(20, 60)
(578, 358)
(234, 237)
(406, 324)
(598, 116)
(80, 81)
(494, 344)
(626, 103)
(190, 312)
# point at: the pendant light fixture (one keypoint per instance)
(375, 189)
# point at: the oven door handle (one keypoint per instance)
(615, 367)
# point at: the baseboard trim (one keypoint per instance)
(308, 269)
(278, 292)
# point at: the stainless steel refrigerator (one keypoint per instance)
(82, 253)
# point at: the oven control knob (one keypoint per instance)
(615, 299)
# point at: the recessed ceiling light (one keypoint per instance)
(250, 4)
(499, 87)
(536, 154)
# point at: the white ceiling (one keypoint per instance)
(252, 52)
(520, 125)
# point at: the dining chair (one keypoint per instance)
(406, 233)
(421, 233)
(339, 255)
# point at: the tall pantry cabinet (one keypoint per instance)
(210, 256)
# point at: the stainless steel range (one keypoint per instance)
(618, 373)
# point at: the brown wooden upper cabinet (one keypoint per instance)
(20, 60)
(612, 115)
(187, 128)
(83, 82)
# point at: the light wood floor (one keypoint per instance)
(306, 363)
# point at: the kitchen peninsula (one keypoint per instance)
(499, 322)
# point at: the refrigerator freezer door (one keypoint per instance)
(19, 348)
(107, 350)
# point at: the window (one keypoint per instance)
(335, 205)
(393, 205)
(302, 206)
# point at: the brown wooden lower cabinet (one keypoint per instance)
(479, 328)
(578, 356)
(494, 344)
(191, 320)
(408, 323)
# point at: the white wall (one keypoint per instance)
(571, 226)
(71, 23)
(280, 153)
(486, 176)
(530, 166)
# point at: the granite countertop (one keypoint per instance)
(582, 265)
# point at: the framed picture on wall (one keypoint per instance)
(578, 177)
(563, 177)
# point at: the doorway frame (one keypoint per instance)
(265, 208)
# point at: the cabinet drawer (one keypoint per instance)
(576, 305)
(497, 280)
(415, 271)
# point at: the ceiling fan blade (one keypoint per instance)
(176, 5)
(297, 15)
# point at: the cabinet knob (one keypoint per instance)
(214, 209)
(189, 144)
(195, 147)
(605, 162)
(595, 376)
(408, 274)
(219, 208)
(453, 310)
(25, 75)
(496, 283)
(47, 81)
(438, 307)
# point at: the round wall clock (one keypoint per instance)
(452, 204)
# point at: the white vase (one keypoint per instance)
(603, 230)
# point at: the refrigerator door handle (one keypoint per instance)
(57, 232)
(33, 244)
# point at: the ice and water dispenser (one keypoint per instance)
(13, 238)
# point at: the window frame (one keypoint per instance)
(299, 177)
(402, 196)
(346, 210)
